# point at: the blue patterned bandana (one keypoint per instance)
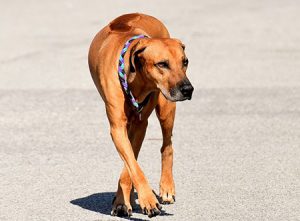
(122, 74)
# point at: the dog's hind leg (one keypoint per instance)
(122, 204)
(165, 111)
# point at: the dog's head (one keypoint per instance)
(162, 64)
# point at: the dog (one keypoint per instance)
(137, 68)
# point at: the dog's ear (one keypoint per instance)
(135, 55)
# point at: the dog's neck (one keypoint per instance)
(138, 87)
(136, 83)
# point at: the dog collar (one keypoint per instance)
(123, 77)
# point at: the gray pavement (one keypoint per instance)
(237, 143)
(236, 156)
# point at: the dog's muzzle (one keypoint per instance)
(182, 91)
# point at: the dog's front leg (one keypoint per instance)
(165, 111)
(146, 197)
(124, 199)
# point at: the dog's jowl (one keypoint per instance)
(137, 68)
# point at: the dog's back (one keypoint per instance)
(129, 22)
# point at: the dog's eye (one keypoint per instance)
(185, 62)
(162, 64)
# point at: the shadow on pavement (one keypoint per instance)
(98, 202)
(101, 203)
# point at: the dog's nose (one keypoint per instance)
(187, 90)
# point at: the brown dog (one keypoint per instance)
(155, 69)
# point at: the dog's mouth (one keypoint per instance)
(182, 91)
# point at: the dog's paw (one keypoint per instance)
(167, 199)
(149, 204)
(120, 209)
(167, 192)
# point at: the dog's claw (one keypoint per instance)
(153, 212)
(113, 212)
(144, 211)
(121, 210)
(167, 200)
(158, 206)
(154, 193)
(156, 212)
(129, 212)
(114, 199)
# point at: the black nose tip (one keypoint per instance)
(187, 90)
